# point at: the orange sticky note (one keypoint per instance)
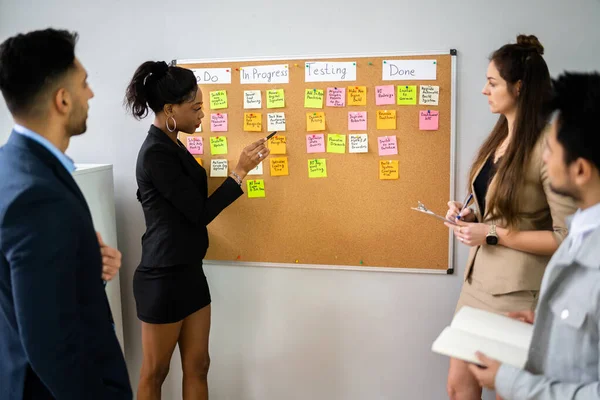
(199, 160)
(279, 166)
(315, 121)
(253, 122)
(277, 144)
(357, 95)
(386, 119)
(388, 169)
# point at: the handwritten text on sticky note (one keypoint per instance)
(275, 98)
(336, 143)
(252, 122)
(357, 95)
(315, 121)
(429, 95)
(358, 143)
(252, 99)
(315, 143)
(279, 166)
(276, 122)
(388, 145)
(407, 95)
(256, 188)
(218, 122)
(357, 121)
(277, 144)
(385, 95)
(218, 99)
(388, 169)
(313, 98)
(429, 120)
(195, 145)
(218, 145)
(317, 168)
(386, 119)
(218, 168)
(336, 97)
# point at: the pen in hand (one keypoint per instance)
(467, 201)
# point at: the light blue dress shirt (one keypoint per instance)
(62, 157)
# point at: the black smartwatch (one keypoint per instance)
(492, 236)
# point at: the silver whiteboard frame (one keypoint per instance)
(451, 241)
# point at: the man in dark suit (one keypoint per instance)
(56, 336)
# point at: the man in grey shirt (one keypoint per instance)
(564, 357)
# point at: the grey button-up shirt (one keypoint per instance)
(564, 356)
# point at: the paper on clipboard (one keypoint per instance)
(421, 208)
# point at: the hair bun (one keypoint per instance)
(531, 42)
(160, 69)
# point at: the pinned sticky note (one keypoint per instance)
(388, 169)
(386, 119)
(357, 95)
(277, 144)
(218, 145)
(385, 95)
(315, 121)
(388, 145)
(218, 168)
(253, 122)
(406, 95)
(429, 120)
(279, 166)
(336, 143)
(336, 97)
(276, 122)
(275, 98)
(317, 168)
(218, 99)
(258, 170)
(313, 98)
(256, 188)
(429, 95)
(198, 160)
(357, 121)
(315, 143)
(195, 145)
(358, 143)
(218, 122)
(252, 99)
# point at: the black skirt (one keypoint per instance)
(165, 295)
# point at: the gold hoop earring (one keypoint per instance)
(174, 123)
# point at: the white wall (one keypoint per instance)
(301, 334)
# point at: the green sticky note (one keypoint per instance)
(313, 98)
(275, 98)
(256, 188)
(218, 99)
(406, 95)
(317, 168)
(336, 143)
(218, 145)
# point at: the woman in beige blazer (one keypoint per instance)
(516, 221)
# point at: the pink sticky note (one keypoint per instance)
(385, 95)
(315, 143)
(429, 120)
(218, 122)
(336, 97)
(387, 145)
(195, 145)
(357, 121)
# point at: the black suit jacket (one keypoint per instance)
(173, 191)
(56, 336)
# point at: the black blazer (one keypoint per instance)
(56, 336)
(173, 191)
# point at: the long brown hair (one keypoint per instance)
(522, 62)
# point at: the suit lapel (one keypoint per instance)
(477, 203)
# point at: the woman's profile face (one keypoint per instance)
(500, 96)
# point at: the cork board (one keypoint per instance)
(350, 219)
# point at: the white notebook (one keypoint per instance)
(497, 336)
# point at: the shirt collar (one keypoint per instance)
(62, 157)
(585, 220)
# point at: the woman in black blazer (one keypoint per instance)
(170, 288)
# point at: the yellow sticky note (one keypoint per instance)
(277, 144)
(218, 145)
(336, 143)
(253, 122)
(256, 188)
(199, 160)
(218, 99)
(315, 121)
(275, 98)
(313, 98)
(388, 169)
(279, 166)
(386, 119)
(406, 95)
(357, 95)
(317, 168)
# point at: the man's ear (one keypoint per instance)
(62, 101)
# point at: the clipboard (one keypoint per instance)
(421, 208)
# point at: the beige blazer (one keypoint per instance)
(502, 270)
